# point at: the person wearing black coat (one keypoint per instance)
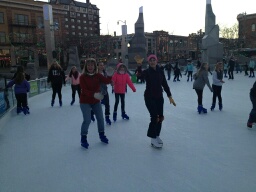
(252, 116)
(168, 67)
(154, 101)
(177, 73)
(231, 67)
(56, 77)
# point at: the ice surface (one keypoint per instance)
(214, 152)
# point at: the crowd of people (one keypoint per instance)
(92, 90)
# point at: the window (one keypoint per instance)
(1, 17)
(66, 26)
(253, 27)
(85, 28)
(90, 17)
(73, 27)
(73, 33)
(79, 27)
(84, 21)
(79, 34)
(85, 34)
(84, 15)
(78, 14)
(21, 19)
(40, 22)
(72, 20)
(2, 37)
(78, 21)
(85, 10)
(90, 22)
(66, 19)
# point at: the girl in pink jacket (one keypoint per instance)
(74, 75)
(120, 80)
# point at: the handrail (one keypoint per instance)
(7, 96)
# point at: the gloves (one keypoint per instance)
(98, 96)
(172, 101)
(110, 71)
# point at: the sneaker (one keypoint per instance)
(154, 143)
(103, 137)
(249, 125)
(159, 140)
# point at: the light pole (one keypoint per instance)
(124, 48)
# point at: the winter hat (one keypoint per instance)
(152, 56)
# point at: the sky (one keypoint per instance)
(178, 17)
(214, 152)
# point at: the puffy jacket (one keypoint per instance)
(200, 80)
(121, 80)
(24, 87)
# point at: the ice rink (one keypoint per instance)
(213, 152)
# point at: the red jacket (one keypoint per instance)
(90, 84)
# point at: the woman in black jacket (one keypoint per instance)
(56, 77)
(153, 96)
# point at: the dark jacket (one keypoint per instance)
(155, 83)
(253, 90)
(168, 67)
(231, 64)
(56, 76)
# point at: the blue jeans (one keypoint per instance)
(86, 111)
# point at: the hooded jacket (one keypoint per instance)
(121, 80)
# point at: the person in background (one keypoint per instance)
(120, 80)
(231, 66)
(177, 73)
(74, 75)
(251, 67)
(91, 95)
(217, 81)
(21, 69)
(138, 73)
(21, 88)
(56, 77)
(252, 115)
(154, 101)
(104, 89)
(246, 69)
(168, 67)
(225, 67)
(200, 79)
(190, 69)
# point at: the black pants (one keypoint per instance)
(190, 74)
(231, 74)
(252, 117)
(199, 96)
(225, 72)
(216, 93)
(176, 76)
(56, 88)
(22, 99)
(251, 72)
(155, 109)
(168, 74)
(106, 103)
(75, 88)
(122, 96)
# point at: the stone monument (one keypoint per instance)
(138, 42)
(212, 49)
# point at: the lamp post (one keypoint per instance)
(124, 48)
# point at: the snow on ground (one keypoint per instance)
(208, 152)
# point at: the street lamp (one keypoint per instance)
(124, 48)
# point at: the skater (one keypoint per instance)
(91, 95)
(120, 80)
(225, 67)
(154, 101)
(217, 81)
(201, 78)
(190, 68)
(251, 67)
(138, 73)
(56, 77)
(252, 116)
(104, 89)
(168, 67)
(74, 75)
(246, 69)
(21, 88)
(177, 73)
(231, 66)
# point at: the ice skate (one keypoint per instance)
(125, 116)
(103, 138)
(159, 140)
(107, 120)
(154, 143)
(72, 102)
(84, 142)
(114, 116)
